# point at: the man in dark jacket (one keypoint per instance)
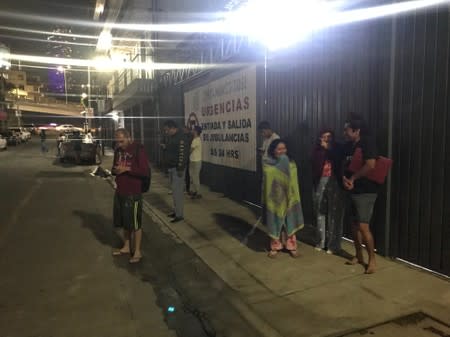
(177, 155)
(130, 166)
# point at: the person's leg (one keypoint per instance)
(193, 188)
(195, 173)
(275, 246)
(172, 180)
(117, 219)
(291, 245)
(124, 215)
(187, 180)
(137, 222)
(336, 211)
(357, 241)
(178, 194)
(367, 238)
(320, 215)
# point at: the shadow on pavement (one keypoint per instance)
(60, 174)
(158, 202)
(67, 164)
(187, 290)
(100, 226)
(243, 232)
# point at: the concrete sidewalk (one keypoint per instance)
(314, 295)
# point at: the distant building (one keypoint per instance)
(17, 78)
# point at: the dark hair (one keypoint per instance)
(124, 132)
(273, 146)
(170, 124)
(356, 122)
(326, 130)
(264, 125)
(198, 129)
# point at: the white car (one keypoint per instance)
(24, 135)
(65, 128)
(3, 143)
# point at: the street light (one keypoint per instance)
(61, 69)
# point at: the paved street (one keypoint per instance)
(60, 279)
(208, 276)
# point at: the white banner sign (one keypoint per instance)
(226, 111)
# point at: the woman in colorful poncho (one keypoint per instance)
(282, 212)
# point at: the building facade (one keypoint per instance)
(393, 71)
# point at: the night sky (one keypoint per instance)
(19, 43)
(81, 9)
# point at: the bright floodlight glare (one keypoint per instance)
(60, 69)
(115, 117)
(116, 64)
(83, 95)
(383, 11)
(104, 41)
(281, 24)
(103, 64)
(99, 9)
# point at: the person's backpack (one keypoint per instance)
(145, 181)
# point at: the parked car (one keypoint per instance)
(24, 135)
(65, 128)
(11, 137)
(18, 136)
(72, 149)
(31, 128)
(3, 143)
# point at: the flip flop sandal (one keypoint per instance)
(272, 254)
(135, 259)
(294, 254)
(119, 253)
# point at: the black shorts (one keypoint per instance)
(128, 212)
(362, 206)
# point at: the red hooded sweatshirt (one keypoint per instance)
(130, 183)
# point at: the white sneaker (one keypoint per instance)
(318, 249)
(330, 252)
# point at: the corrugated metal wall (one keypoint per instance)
(345, 70)
(167, 105)
(340, 71)
(421, 189)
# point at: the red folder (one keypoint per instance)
(378, 174)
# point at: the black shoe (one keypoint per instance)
(176, 219)
(172, 215)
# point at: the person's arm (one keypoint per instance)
(195, 144)
(369, 157)
(182, 154)
(113, 169)
(369, 165)
(139, 167)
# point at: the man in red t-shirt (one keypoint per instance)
(130, 166)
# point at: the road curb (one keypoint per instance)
(250, 316)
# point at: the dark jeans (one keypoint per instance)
(187, 179)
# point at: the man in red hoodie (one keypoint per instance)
(130, 166)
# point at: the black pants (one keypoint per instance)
(187, 179)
